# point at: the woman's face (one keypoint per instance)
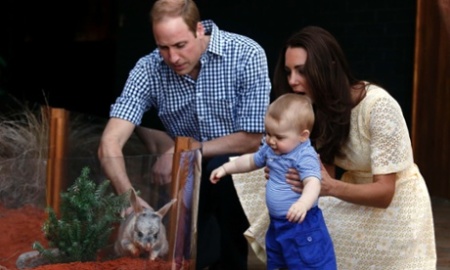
(295, 59)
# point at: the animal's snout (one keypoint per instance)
(148, 247)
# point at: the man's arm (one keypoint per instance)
(159, 142)
(114, 137)
(235, 143)
(156, 141)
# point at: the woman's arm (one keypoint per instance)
(379, 193)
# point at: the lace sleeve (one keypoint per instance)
(391, 149)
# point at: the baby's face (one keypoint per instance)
(282, 137)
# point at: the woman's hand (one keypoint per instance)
(293, 179)
(326, 185)
(327, 182)
(266, 172)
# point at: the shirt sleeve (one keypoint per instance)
(135, 99)
(390, 144)
(254, 93)
(260, 156)
(308, 164)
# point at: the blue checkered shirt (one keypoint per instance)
(231, 93)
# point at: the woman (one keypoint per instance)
(379, 214)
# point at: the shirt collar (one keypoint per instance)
(215, 45)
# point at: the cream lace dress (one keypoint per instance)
(399, 237)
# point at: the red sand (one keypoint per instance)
(20, 228)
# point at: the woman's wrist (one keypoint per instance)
(334, 188)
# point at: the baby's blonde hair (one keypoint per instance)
(294, 109)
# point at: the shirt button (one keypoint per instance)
(309, 239)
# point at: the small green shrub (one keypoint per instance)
(88, 215)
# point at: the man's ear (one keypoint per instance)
(200, 31)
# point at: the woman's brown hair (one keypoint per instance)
(329, 77)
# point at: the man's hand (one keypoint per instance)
(162, 169)
(141, 201)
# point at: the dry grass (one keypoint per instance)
(23, 155)
(24, 148)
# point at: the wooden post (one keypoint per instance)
(58, 130)
(179, 176)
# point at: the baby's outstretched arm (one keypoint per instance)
(244, 163)
(311, 190)
(217, 174)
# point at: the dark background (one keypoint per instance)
(77, 54)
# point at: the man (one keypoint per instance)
(207, 84)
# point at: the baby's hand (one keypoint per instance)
(297, 212)
(217, 174)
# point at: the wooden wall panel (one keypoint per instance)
(431, 98)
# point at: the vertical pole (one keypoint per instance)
(58, 125)
(181, 144)
(179, 176)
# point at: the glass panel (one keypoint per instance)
(23, 181)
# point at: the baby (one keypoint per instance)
(297, 237)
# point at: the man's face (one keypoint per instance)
(179, 47)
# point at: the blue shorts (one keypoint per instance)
(305, 245)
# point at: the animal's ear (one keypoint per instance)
(137, 207)
(163, 210)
